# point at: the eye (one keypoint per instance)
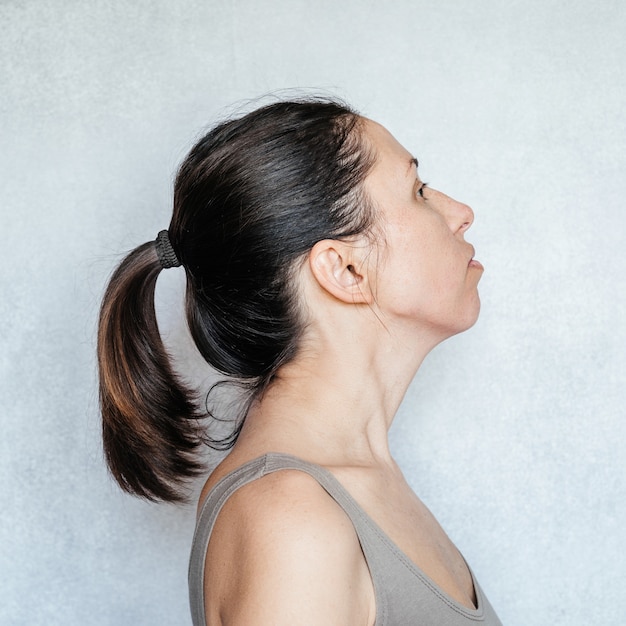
(420, 191)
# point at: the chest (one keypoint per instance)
(406, 520)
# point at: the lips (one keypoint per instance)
(473, 262)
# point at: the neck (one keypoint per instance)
(335, 402)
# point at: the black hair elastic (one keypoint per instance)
(165, 252)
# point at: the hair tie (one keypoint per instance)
(165, 252)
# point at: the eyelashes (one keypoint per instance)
(420, 191)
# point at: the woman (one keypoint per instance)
(320, 272)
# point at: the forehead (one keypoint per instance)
(393, 163)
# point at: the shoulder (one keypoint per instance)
(284, 552)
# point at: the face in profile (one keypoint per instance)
(426, 274)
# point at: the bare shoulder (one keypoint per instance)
(283, 552)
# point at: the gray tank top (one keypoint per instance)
(405, 596)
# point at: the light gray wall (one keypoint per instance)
(512, 433)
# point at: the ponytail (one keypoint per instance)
(149, 417)
(251, 199)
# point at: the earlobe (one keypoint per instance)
(339, 272)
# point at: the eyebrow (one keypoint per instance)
(413, 161)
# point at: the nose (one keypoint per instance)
(458, 216)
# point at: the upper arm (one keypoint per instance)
(283, 552)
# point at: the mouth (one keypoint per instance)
(473, 262)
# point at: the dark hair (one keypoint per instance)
(251, 199)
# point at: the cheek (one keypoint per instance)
(418, 280)
(435, 268)
(436, 287)
(423, 273)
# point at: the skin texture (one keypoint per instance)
(282, 551)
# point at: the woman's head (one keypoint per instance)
(251, 199)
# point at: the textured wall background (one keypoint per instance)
(512, 433)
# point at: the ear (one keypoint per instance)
(339, 268)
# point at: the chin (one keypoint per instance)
(473, 318)
(475, 313)
(462, 322)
